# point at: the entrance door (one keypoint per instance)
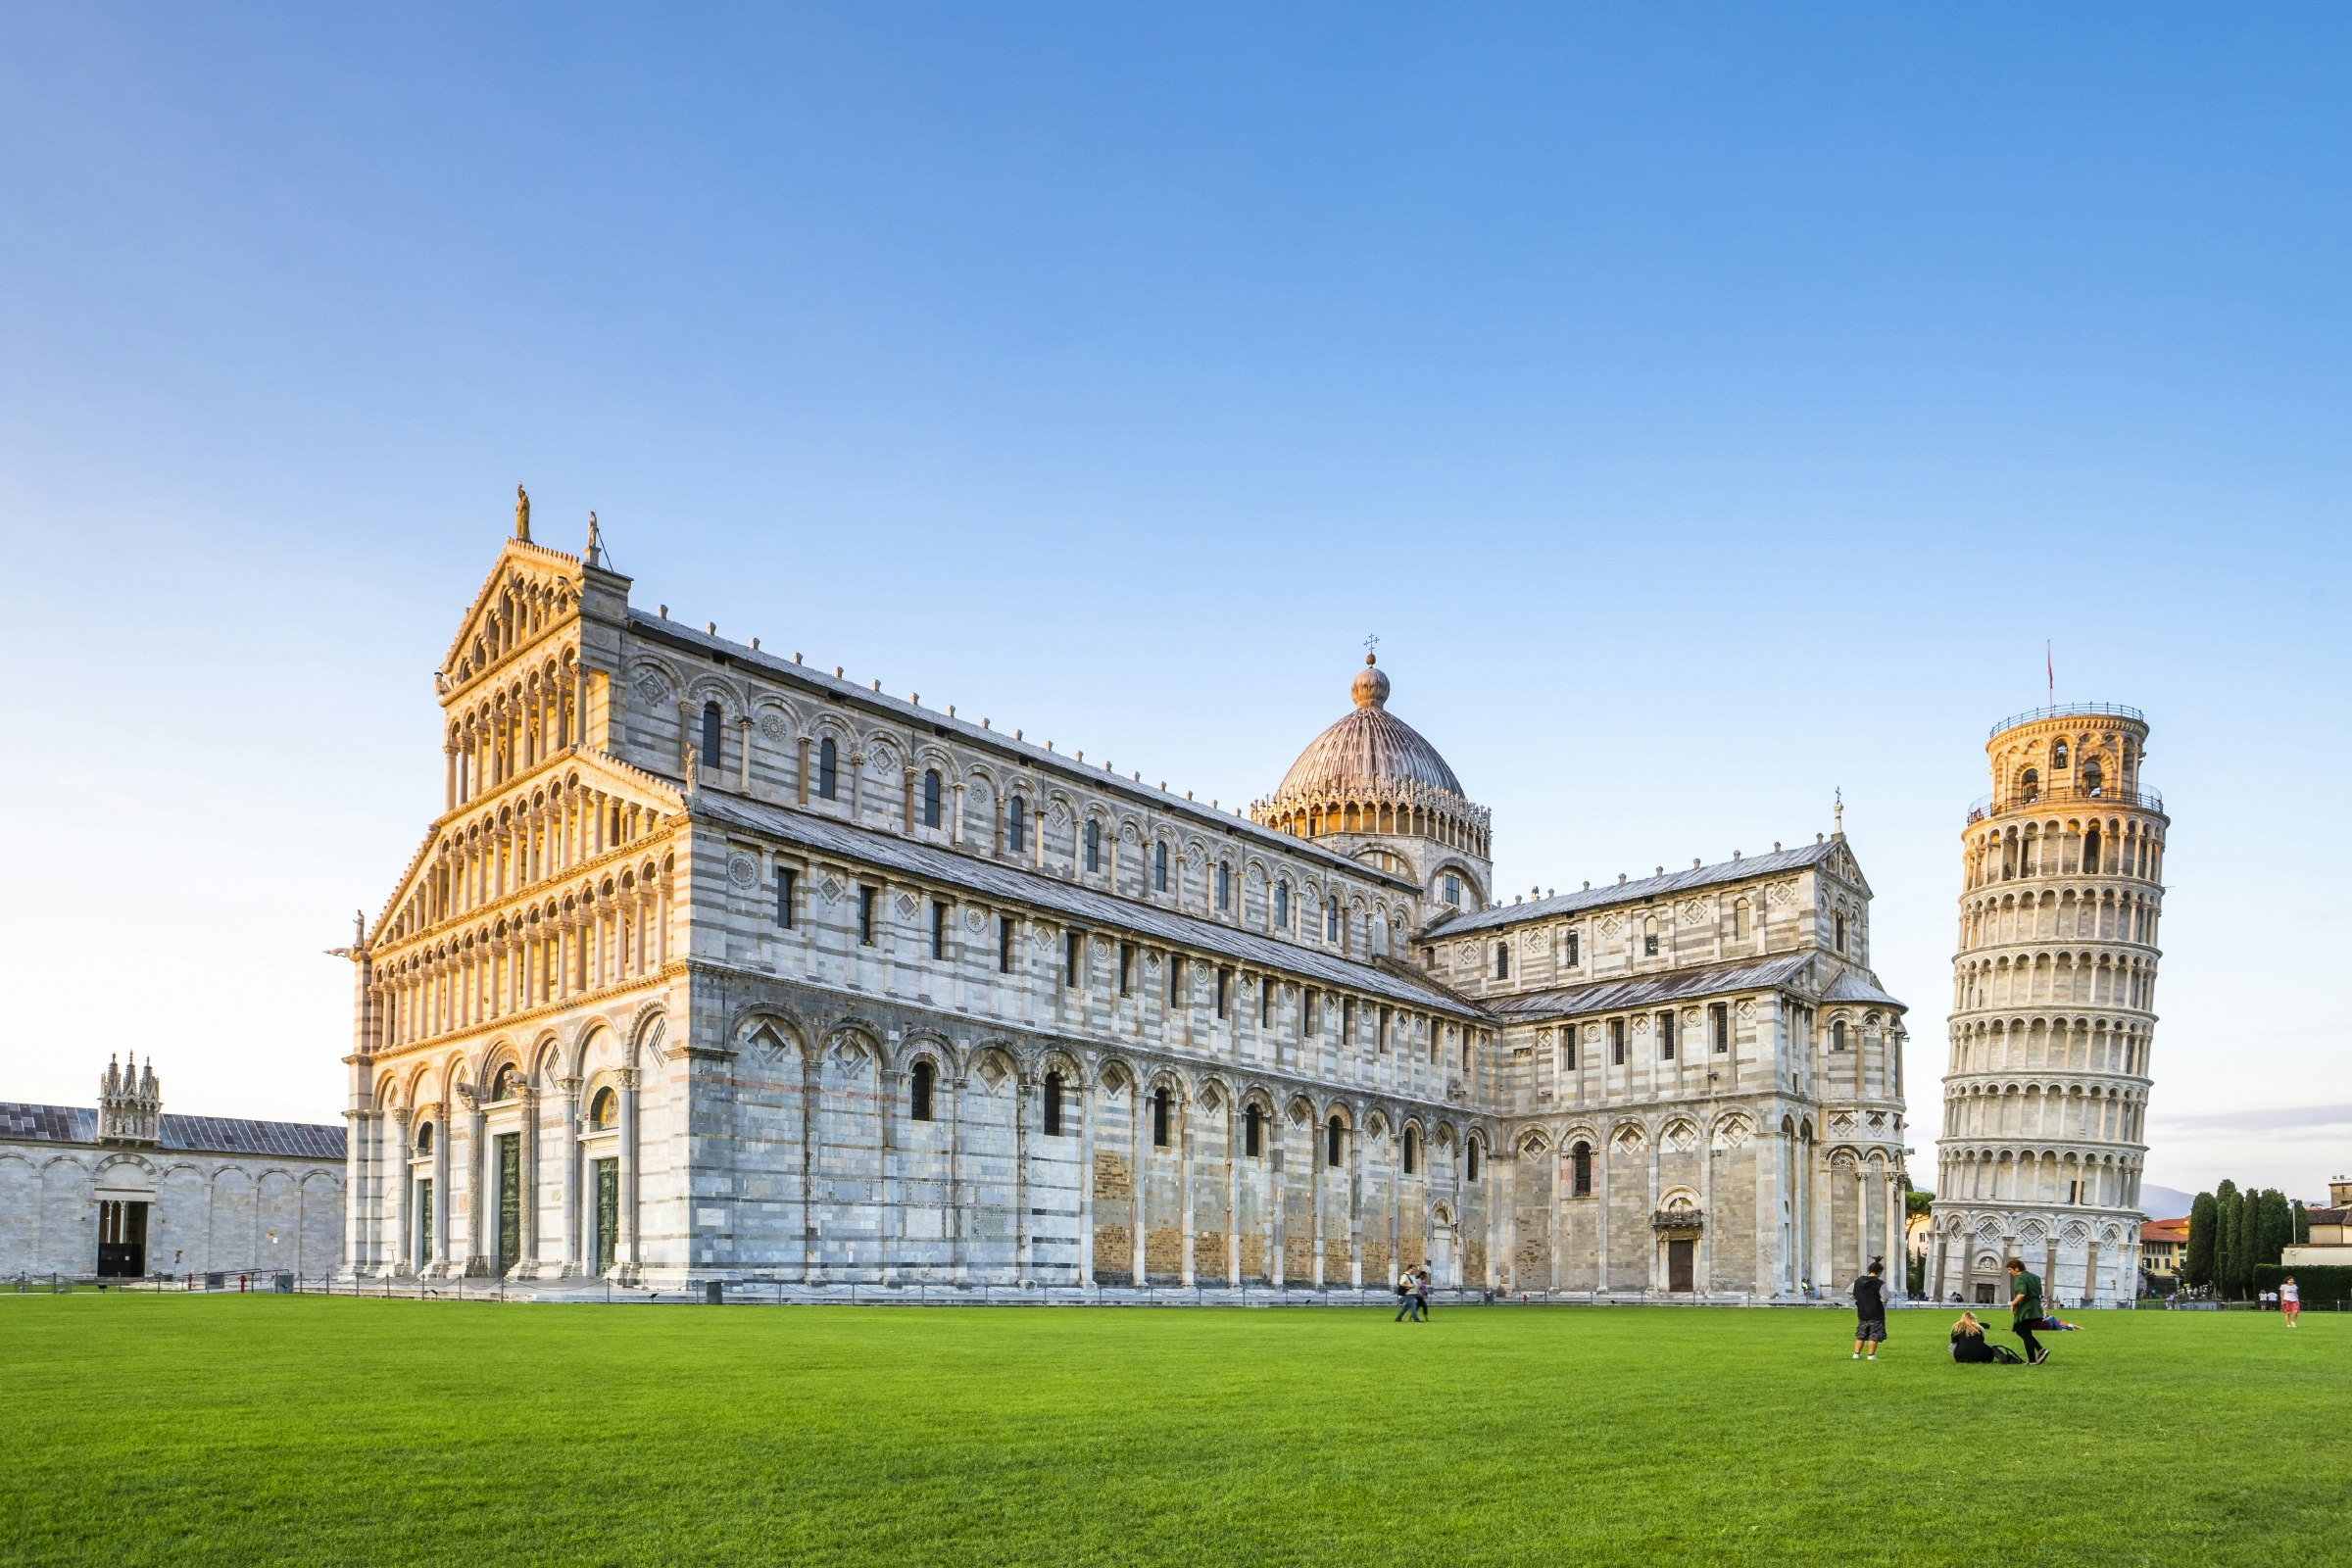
(607, 1211)
(424, 1222)
(1985, 1296)
(1679, 1257)
(122, 1239)
(510, 1203)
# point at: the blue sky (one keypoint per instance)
(1709, 408)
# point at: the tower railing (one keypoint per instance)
(1986, 805)
(2068, 711)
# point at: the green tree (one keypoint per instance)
(2198, 1267)
(2278, 1226)
(2302, 1223)
(2229, 1220)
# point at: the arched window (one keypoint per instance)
(2091, 852)
(1224, 886)
(828, 769)
(424, 1138)
(1333, 1132)
(1331, 919)
(1649, 936)
(1252, 1131)
(708, 761)
(1837, 1035)
(930, 797)
(1579, 1170)
(2057, 756)
(1161, 1102)
(1503, 961)
(1470, 1162)
(1282, 905)
(1016, 825)
(919, 1099)
(1053, 1105)
(1842, 932)
(2094, 779)
(1739, 920)
(1094, 845)
(604, 1111)
(1412, 1149)
(507, 1085)
(2029, 785)
(1159, 867)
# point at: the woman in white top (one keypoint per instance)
(2290, 1299)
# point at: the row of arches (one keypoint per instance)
(597, 933)
(2040, 1176)
(2080, 913)
(2117, 847)
(506, 847)
(1408, 809)
(533, 714)
(2098, 1112)
(522, 608)
(2089, 979)
(2064, 1044)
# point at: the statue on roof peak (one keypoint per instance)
(522, 514)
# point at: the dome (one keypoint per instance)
(1370, 749)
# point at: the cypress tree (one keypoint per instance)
(2302, 1224)
(2197, 1268)
(2228, 1219)
(2278, 1226)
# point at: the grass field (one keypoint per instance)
(273, 1428)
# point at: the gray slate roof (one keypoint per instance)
(1027, 754)
(1649, 887)
(1082, 905)
(1852, 987)
(209, 1135)
(1609, 995)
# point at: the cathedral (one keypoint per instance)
(716, 966)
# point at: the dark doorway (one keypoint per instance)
(424, 1222)
(1985, 1297)
(1680, 1256)
(608, 1210)
(122, 1239)
(510, 1203)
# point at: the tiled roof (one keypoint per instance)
(2164, 1230)
(1698, 876)
(210, 1135)
(1083, 906)
(1608, 995)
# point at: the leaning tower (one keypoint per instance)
(2053, 1013)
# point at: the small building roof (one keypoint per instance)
(208, 1135)
(1649, 887)
(1612, 995)
(2164, 1230)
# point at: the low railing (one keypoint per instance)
(2068, 711)
(1985, 806)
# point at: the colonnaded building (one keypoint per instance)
(125, 1189)
(714, 965)
(2045, 1099)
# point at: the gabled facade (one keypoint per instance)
(718, 966)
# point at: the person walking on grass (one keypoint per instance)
(1421, 1295)
(1870, 1312)
(1405, 1301)
(2025, 1309)
(2290, 1299)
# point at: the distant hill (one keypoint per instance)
(2163, 1202)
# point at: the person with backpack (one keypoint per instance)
(1407, 1304)
(2025, 1309)
(1969, 1346)
(1870, 1312)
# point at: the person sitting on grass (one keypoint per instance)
(1870, 1313)
(1970, 1345)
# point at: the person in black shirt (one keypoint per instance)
(1870, 1313)
(1969, 1343)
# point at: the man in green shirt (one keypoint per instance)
(2025, 1310)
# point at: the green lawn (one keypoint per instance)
(271, 1429)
